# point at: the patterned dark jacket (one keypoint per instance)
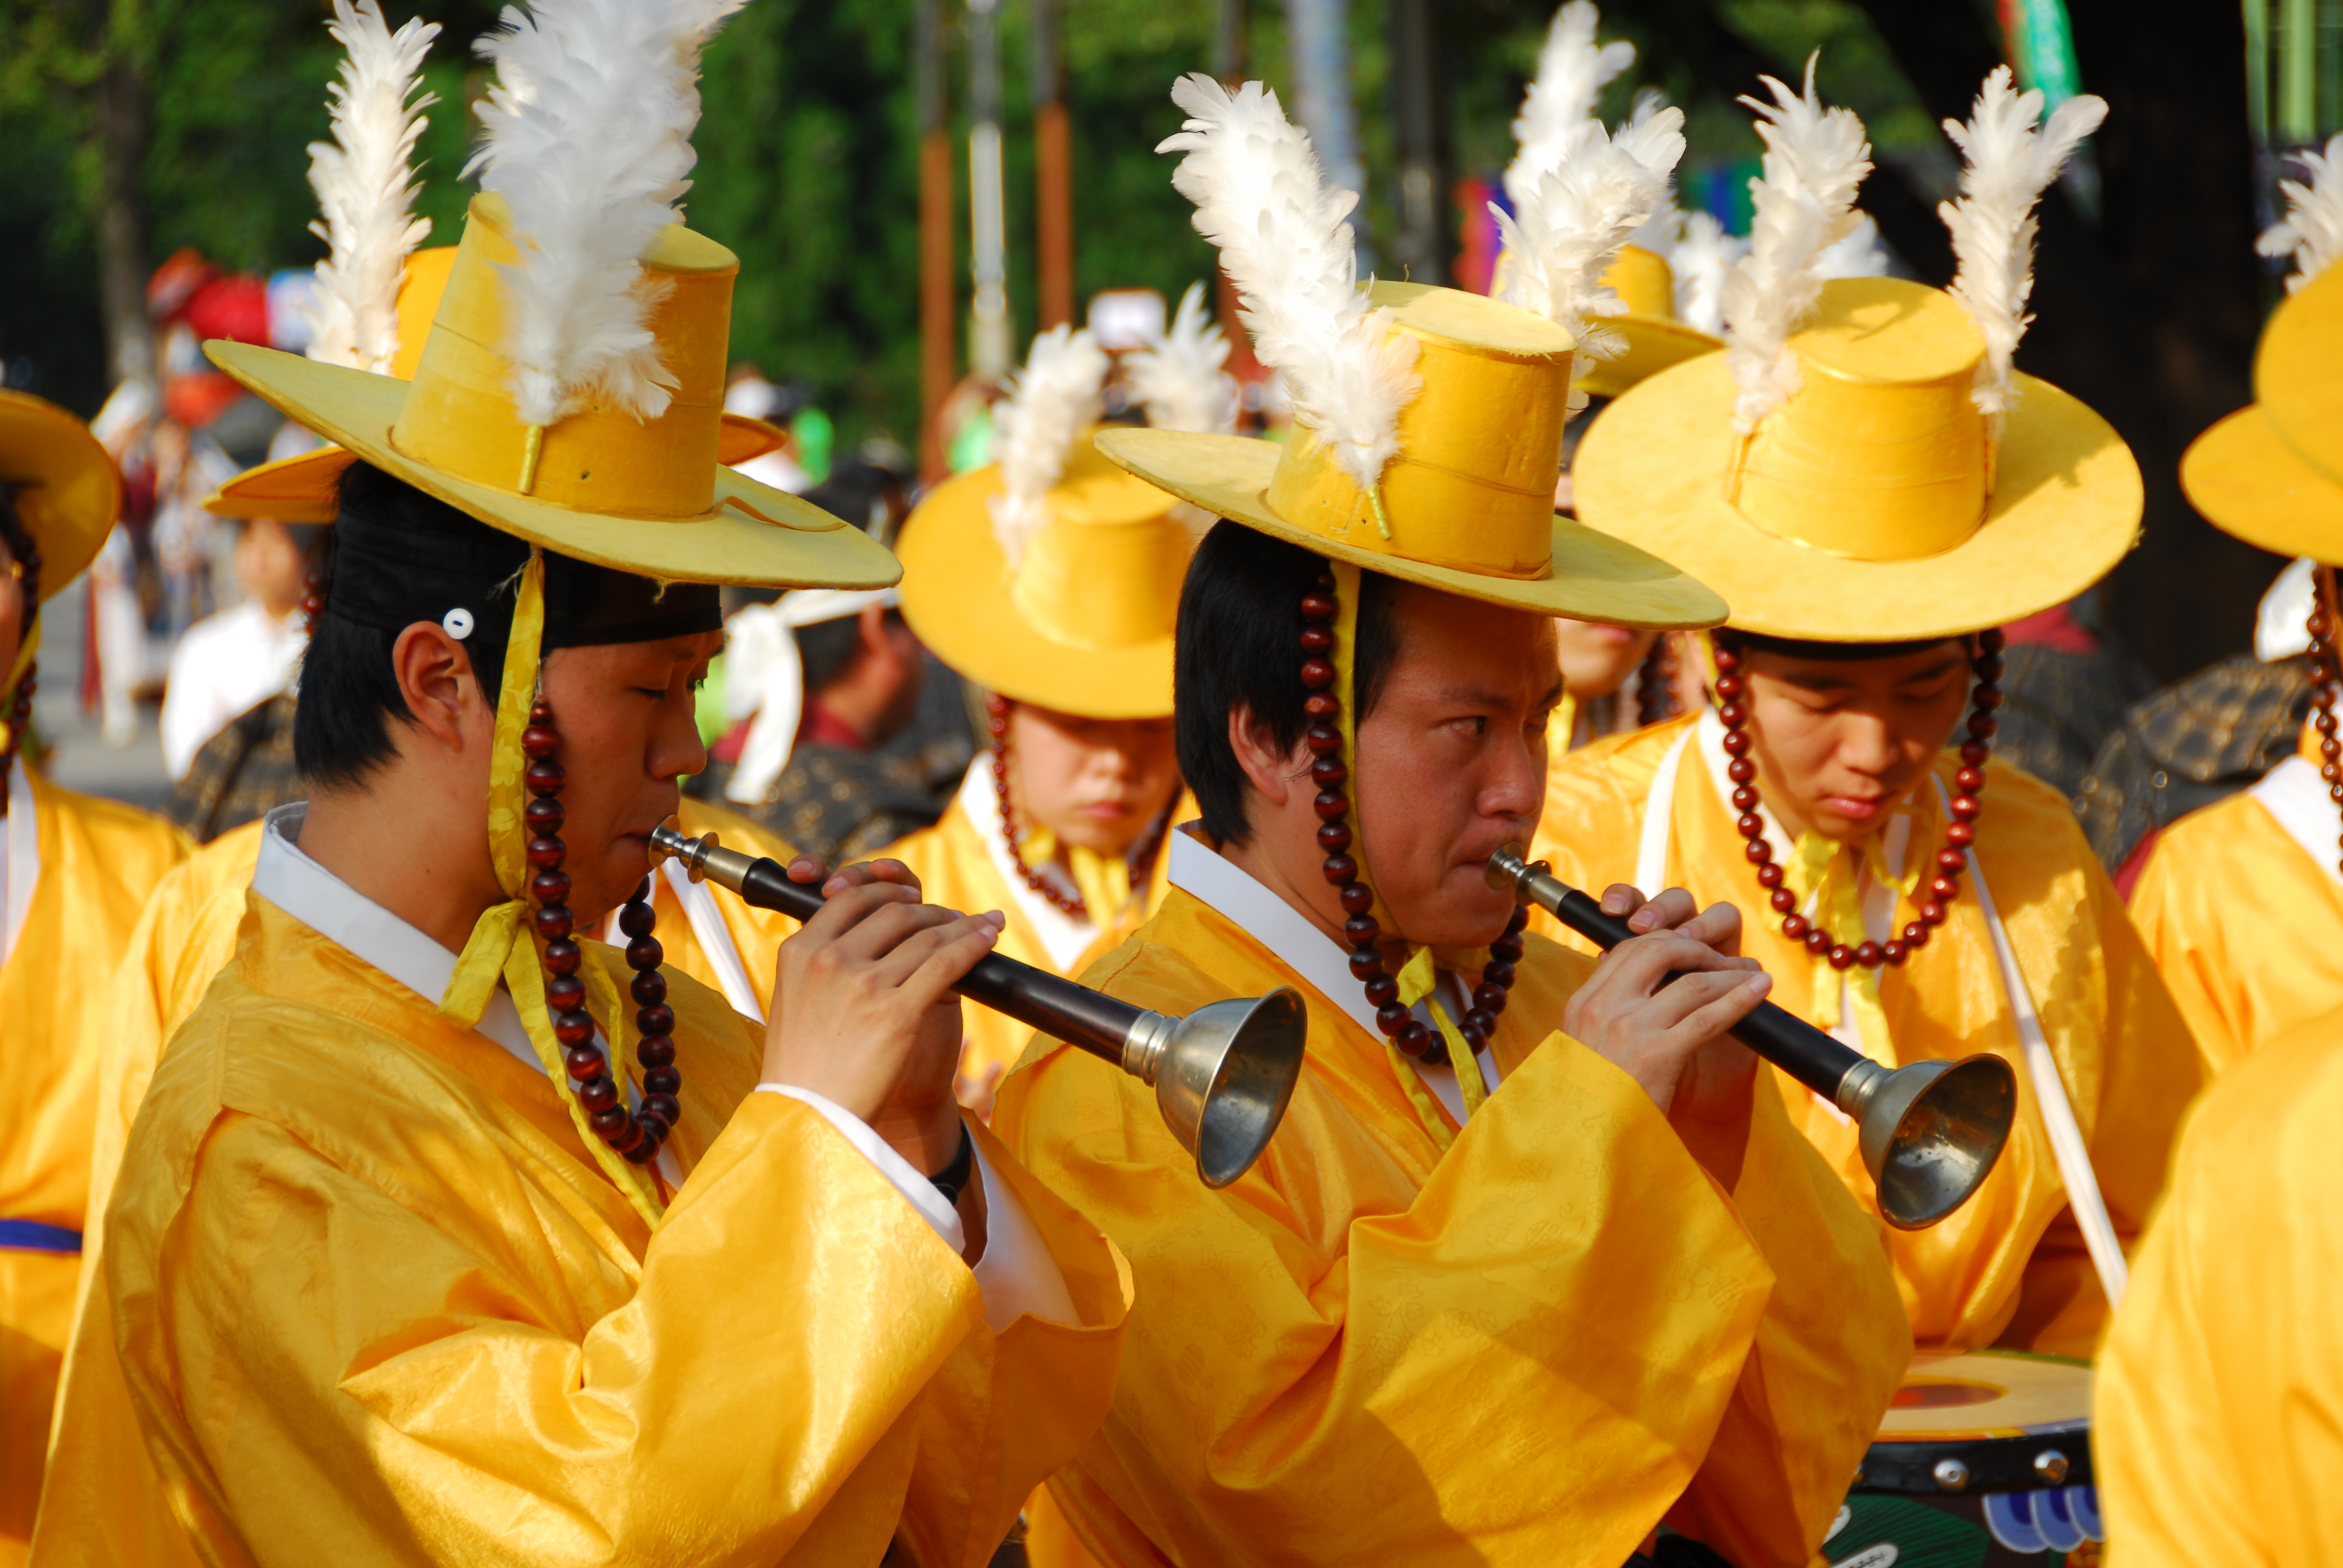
(2189, 745)
(243, 772)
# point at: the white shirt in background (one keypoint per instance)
(223, 665)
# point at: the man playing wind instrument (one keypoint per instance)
(1875, 490)
(1528, 1271)
(445, 1233)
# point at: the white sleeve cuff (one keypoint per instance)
(917, 1189)
(1016, 1275)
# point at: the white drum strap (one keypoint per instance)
(1659, 812)
(715, 940)
(2050, 1097)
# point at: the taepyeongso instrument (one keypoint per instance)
(1930, 1132)
(1222, 1074)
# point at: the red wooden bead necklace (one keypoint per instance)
(637, 1133)
(20, 706)
(1324, 738)
(2323, 668)
(1969, 783)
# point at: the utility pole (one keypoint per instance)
(1053, 177)
(1318, 36)
(936, 355)
(1422, 248)
(989, 353)
(1228, 67)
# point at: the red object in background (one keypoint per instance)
(193, 401)
(176, 282)
(236, 307)
(2055, 629)
(1478, 240)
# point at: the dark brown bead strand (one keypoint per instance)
(20, 706)
(1141, 860)
(1341, 868)
(1934, 899)
(2323, 675)
(637, 1134)
(312, 603)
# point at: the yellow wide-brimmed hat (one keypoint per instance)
(1871, 505)
(306, 486)
(1083, 623)
(1655, 339)
(2272, 472)
(1469, 498)
(62, 482)
(644, 495)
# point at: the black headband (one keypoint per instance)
(1835, 652)
(402, 557)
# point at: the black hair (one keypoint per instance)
(400, 557)
(1240, 646)
(1832, 652)
(828, 648)
(23, 551)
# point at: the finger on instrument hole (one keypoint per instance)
(1671, 909)
(807, 868)
(1622, 899)
(1673, 1005)
(888, 927)
(961, 944)
(1646, 963)
(1717, 926)
(1711, 1021)
(899, 962)
(890, 871)
(846, 909)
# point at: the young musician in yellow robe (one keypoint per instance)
(1051, 580)
(425, 1243)
(2241, 903)
(1920, 903)
(74, 872)
(1518, 1304)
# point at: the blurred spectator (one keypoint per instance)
(228, 662)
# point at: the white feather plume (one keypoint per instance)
(2313, 225)
(1558, 110)
(1701, 260)
(1815, 160)
(1050, 403)
(1178, 378)
(366, 186)
(1262, 199)
(589, 140)
(1859, 254)
(1571, 222)
(2010, 165)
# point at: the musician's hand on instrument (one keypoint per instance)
(810, 869)
(1718, 926)
(1670, 1035)
(863, 1012)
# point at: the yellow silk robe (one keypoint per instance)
(372, 1301)
(1529, 1349)
(2246, 927)
(2009, 1268)
(957, 872)
(98, 863)
(2218, 1434)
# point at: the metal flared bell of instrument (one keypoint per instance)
(1930, 1132)
(1221, 1075)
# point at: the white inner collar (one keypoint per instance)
(1065, 937)
(20, 858)
(1320, 961)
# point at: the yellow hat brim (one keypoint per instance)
(1654, 344)
(777, 541)
(306, 486)
(2247, 480)
(1592, 577)
(956, 596)
(1651, 469)
(67, 490)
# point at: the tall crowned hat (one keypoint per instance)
(2272, 473)
(66, 493)
(568, 396)
(1051, 576)
(1864, 464)
(1427, 438)
(1558, 121)
(376, 293)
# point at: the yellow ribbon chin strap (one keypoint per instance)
(501, 946)
(1826, 876)
(1103, 880)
